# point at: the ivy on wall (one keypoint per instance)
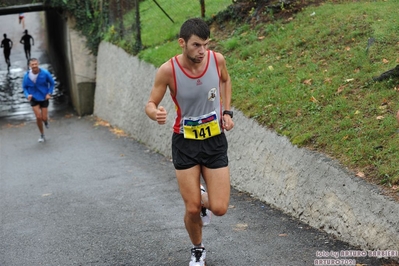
(91, 18)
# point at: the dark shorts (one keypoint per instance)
(43, 104)
(211, 153)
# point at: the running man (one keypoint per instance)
(200, 87)
(25, 40)
(6, 44)
(38, 85)
(21, 19)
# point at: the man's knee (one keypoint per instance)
(193, 210)
(219, 210)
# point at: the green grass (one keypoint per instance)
(310, 78)
(158, 28)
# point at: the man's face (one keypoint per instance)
(34, 65)
(196, 48)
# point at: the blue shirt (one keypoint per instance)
(44, 85)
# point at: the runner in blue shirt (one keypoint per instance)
(38, 85)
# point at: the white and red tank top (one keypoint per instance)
(197, 99)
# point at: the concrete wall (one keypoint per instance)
(73, 60)
(302, 183)
(82, 65)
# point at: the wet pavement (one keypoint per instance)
(91, 195)
(13, 104)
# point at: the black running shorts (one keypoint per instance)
(43, 104)
(211, 153)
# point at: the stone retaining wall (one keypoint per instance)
(302, 183)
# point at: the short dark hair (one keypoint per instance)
(194, 26)
(33, 59)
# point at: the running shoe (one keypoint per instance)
(46, 124)
(41, 139)
(198, 257)
(205, 216)
(205, 213)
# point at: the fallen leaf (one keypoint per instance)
(307, 81)
(341, 88)
(313, 99)
(360, 174)
(271, 68)
(349, 80)
(240, 227)
(347, 48)
(118, 132)
(357, 112)
(380, 117)
(261, 37)
(385, 61)
(11, 125)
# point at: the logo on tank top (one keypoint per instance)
(199, 82)
(212, 95)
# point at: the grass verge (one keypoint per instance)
(309, 77)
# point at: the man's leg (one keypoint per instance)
(8, 59)
(218, 189)
(44, 115)
(39, 120)
(189, 185)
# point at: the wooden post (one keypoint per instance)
(202, 2)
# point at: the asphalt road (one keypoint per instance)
(91, 196)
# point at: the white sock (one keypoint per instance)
(198, 246)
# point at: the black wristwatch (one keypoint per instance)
(230, 113)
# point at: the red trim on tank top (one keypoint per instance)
(217, 66)
(176, 125)
(192, 77)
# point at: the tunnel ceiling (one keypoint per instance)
(21, 8)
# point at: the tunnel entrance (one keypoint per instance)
(13, 104)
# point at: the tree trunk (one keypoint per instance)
(138, 45)
(202, 2)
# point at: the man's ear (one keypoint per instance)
(181, 42)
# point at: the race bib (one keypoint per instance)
(202, 127)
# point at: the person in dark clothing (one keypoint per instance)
(6, 44)
(25, 40)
